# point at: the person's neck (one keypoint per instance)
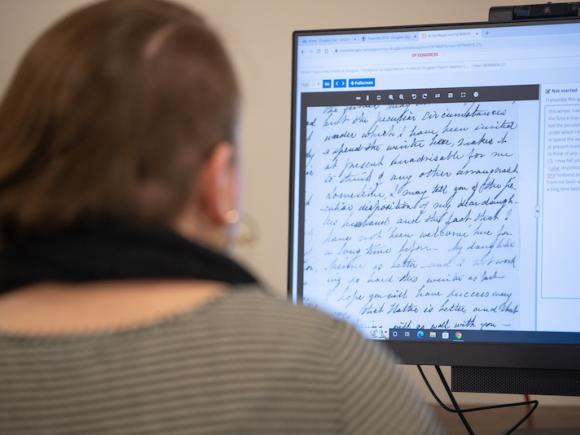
(199, 230)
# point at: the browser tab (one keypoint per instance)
(450, 35)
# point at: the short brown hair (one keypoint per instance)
(111, 113)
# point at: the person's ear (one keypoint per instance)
(218, 184)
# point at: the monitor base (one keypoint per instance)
(515, 381)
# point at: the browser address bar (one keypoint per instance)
(450, 35)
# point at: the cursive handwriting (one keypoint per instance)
(412, 213)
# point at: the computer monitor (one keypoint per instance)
(435, 195)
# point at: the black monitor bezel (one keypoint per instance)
(509, 355)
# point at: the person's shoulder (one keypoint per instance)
(260, 313)
(259, 304)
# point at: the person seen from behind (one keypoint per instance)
(120, 312)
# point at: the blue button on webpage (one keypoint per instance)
(326, 83)
(340, 83)
(361, 83)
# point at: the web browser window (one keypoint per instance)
(437, 181)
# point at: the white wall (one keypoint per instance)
(258, 35)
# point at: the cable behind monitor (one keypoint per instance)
(460, 411)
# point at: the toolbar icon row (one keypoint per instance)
(403, 97)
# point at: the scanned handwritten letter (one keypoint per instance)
(411, 214)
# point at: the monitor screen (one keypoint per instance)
(435, 182)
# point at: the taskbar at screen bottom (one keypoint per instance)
(485, 336)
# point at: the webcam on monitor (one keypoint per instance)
(544, 11)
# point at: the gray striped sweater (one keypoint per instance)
(247, 363)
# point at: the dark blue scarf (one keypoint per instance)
(113, 250)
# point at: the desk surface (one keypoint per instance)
(498, 421)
